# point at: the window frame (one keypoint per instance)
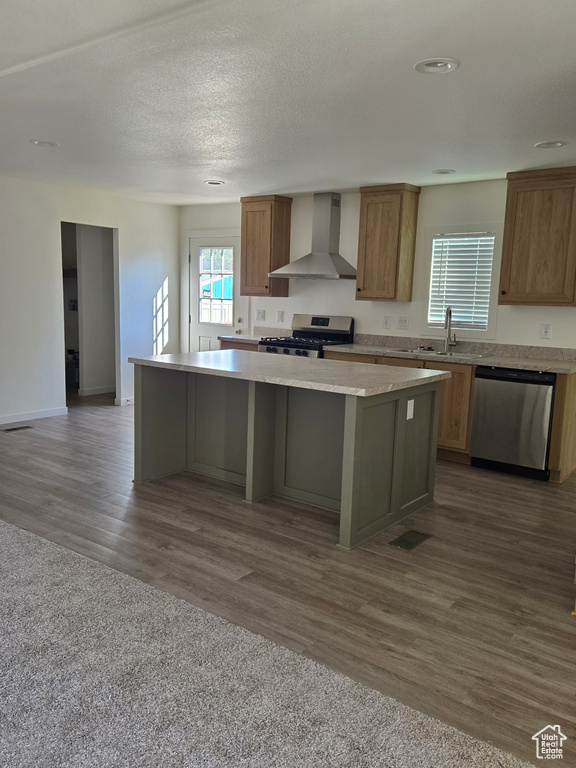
(458, 229)
(222, 274)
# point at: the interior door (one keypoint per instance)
(215, 305)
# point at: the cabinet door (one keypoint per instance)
(265, 244)
(256, 248)
(455, 400)
(401, 361)
(539, 248)
(349, 357)
(378, 246)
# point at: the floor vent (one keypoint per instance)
(409, 540)
(14, 429)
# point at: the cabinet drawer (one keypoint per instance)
(349, 358)
(401, 361)
(246, 347)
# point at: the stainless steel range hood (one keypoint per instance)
(324, 262)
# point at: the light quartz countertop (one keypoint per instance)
(548, 365)
(241, 339)
(344, 378)
(512, 361)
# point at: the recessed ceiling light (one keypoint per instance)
(436, 66)
(214, 182)
(550, 144)
(39, 143)
(444, 170)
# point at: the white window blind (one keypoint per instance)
(460, 278)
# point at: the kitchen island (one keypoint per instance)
(357, 439)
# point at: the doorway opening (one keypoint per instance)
(90, 322)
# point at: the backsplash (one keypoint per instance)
(483, 348)
(263, 330)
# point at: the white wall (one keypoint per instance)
(474, 204)
(96, 309)
(31, 294)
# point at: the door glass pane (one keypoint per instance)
(216, 285)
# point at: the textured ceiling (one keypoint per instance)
(148, 98)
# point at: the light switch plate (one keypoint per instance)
(387, 321)
(260, 314)
(403, 323)
(279, 316)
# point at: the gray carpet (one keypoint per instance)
(98, 669)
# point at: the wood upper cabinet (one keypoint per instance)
(265, 244)
(388, 217)
(539, 247)
(455, 404)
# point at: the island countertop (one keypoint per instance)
(344, 378)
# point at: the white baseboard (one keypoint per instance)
(30, 415)
(96, 391)
(124, 401)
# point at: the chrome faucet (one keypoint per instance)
(450, 340)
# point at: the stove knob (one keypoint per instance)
(269, 349)
(286, 351)
(298, 351)
(304, 353)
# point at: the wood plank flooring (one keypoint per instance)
(473, 626)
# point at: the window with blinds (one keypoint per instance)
(460, 278)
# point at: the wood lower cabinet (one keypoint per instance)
(539, 246)
(244, 346)
(455, 396)
(562, 461)
(265, 244)
(455, 404)
(388, 216)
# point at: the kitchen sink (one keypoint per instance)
(431, 353)
(456, 354)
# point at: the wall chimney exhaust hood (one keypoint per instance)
(324, 262)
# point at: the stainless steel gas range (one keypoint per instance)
(310, 334)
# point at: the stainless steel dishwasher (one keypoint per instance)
(511, 421)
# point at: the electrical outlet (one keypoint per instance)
(403, 323)
(261, 314)
(386, 323)
(279, 316)
(546, 331)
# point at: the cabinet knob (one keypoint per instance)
(265, 286)
(503, 292)
(358, 289)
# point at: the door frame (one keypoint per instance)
(211, 238)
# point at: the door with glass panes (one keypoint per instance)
(215, 306)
